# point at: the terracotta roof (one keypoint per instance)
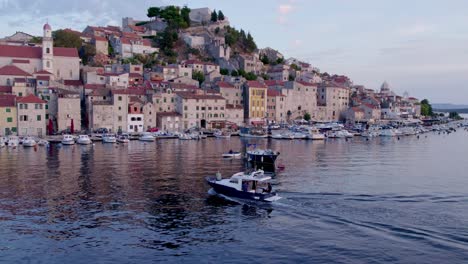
(225, 85)
(43, 78)
(102, 103)
(73, 82)
(256, 84)
(7, 100)
(162, 114)
(12, 70)
(273, 92)
(5, 89)
(135, 99)
(20, 61)
(370, 106)
(306, 83)
(134, 75)
(20, 80)
(137, 28)
(31, 99)
(357, 109)
(98, 38)
(191, 95)
(100, 92)
(42, 72)
(34, 52)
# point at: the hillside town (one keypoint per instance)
(172, 73)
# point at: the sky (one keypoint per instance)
(419, 47)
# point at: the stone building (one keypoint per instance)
(255, 102)
(275, 106)
(8, 115)
(335, 97)
(300, 98)
(201, 110)
(68, 109)
(169, 121)
(31, 116)
(232, 93)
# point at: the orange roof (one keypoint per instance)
(31, 99)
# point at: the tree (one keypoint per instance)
(220, 15)
(36, 40)
(290, 78)
(279, 60)
(265, 59)
(217, 30)
(224, 71)
(234, 73)
(454, 115)
(153, 12)
(214, 16)
(250, 43)
(307, 117)
(185, 12)
(426, 108)
(265, 76)
(295, 67)
(199, 76)
(250, 76)
(66, 39)
(110, 49)
(87, 52)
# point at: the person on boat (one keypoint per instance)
(268, 188)
(230, 151)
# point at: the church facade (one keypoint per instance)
(62, 63)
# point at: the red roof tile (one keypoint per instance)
(256, 84)
(34, 52)
(94, 86)
(225, 85)
(274, 82)
(43, 78)
(306, 83)
(273, 92)
(12, 70)
(31, 99)
(134, 75)
(129, 91)
(231, 106)
(190, 95)
(98, 38)
(42, 72)
(7, 100)
(5, 89)
(162, 114)
(20, 61)
(65, 52)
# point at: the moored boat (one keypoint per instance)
(147, 136)
(124, 138)
(13, 141)
(109, 138)
(251, 186)
(68, 140)
(83, 140)
(29, 142)
(231, 154)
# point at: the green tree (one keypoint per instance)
(224, 71)
(265, 76)
(454, 115)
(153, 12)
(307, 117)
(214, 16)
(295, 67)
(426, 108)
(217, 30)
(250, 43)
(279, 60)
(250, 76)
(185, 12)
(265, 59)
(199, 76)
(110, 49)
(234, 73)
(87, 51)
(66, 39)
(36, 40)
(220, 15)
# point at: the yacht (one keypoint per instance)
(251, 186)
(124, 138)
(29, 142)
(147, 136)
(109, 138)
(13, 141)
(68, 140)
(84, 140)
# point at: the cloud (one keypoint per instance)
(284, 10)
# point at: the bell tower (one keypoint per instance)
(47, 49)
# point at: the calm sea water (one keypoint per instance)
(383, 200)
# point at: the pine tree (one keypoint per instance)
(220, 15)
(214, 16)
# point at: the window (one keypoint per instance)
(185, 107)
(120, 98)
(120, 108)
(23, 118)
(13, 129)
(133, 119)
(20, 95)
(135, 109)
(131, 126)
(138, 118)
(38, 118)
(172, 99)
(10, 119)
(47, 116)
(47, 51)
(164, 100)
(120, 118)
(46, 106)
(8, 110)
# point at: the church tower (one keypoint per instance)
(47, 49)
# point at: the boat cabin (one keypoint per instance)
(256, 182)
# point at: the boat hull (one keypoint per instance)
(232, 192)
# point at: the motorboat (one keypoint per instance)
(254, 186)
(315, 134)
(231, 154)
(3, 142)
(109, 138)
(387, 132)
(147, 136)
(185, 136)
(68, 140)
(262, 157)
(277, 136)
(124, 138)
(29, 142)
(13, 141)
(222, 134)
(84, 140)
(42, 142)
(252, 133)
(299, 136)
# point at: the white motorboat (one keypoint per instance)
(185, 136)
(84, 140)
(68, 140)
(315, 134)
(299, 136)
(124, 138)
(29, 142)
(3, 142)
(252, 186)
(13, 141)
(222, 134)
(109, 138)
(231, 154)
(43, 142)
(388, 132)
(277, 136)
(147, 136)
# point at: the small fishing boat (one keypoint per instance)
(68, 140)
(231, 154)
(147, 136)
(124, 138)
(109, 138)
(84, 140)
(29, 142)
(251, 186)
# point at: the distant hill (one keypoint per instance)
(458, 110)
(449, 106)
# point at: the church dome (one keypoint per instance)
(47, 27)
(385, 86)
